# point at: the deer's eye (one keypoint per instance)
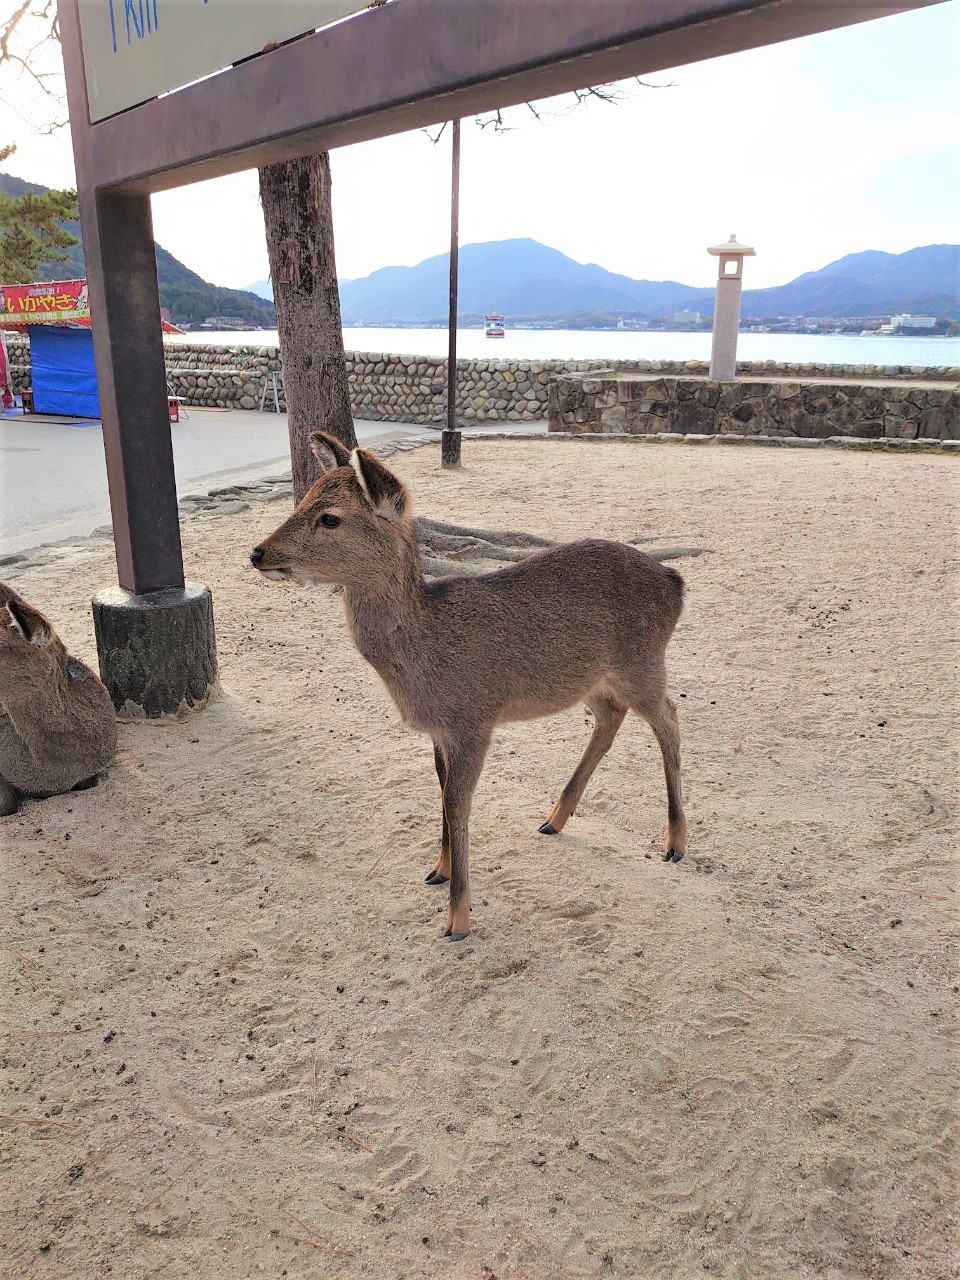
(329, 520)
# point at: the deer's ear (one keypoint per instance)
(329, 451)
(31, 626)
(386, 494)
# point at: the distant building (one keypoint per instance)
(225, 322)
(687, 317)
(907, 321)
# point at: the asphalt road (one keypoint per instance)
(53, 479)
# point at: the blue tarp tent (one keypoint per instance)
(63, 376)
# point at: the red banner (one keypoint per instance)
(53, 302)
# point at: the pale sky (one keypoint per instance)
(807, 150)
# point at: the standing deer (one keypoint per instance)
(58, 728)
(584, 621)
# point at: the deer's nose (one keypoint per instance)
(256, 555)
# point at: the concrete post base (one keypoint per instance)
(450, 442)
(157, 651)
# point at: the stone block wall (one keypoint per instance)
(18, 356)
(698, 406)
(410, 388)
(401, 388)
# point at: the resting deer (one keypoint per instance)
(57, 723)
(581, 622)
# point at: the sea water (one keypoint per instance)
(611, 344)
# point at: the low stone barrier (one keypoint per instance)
(645, 406)
(400, 388)
(412, 388)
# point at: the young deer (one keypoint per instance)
(586, 621)
(57, 723)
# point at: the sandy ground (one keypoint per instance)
(236, 1046)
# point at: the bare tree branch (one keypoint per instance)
(435, 138)
(25, 38)
(499, 123)
(9, 28)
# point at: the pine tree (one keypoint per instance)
(31, 230)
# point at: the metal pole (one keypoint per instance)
(450, 439)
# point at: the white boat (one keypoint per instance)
(493, 326)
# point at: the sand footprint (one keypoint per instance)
(400, 1166)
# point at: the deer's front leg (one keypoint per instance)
(464, 761)
(441, 872)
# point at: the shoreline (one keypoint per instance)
(613, 344)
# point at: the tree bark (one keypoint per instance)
(298, 217)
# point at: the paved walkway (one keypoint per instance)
(53, 479)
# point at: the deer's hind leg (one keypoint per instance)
(608, 717)
(441, 872)
(662, 719)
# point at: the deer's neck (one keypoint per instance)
(388, 616)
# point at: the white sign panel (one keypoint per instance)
(134, 50)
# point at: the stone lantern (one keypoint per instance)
(726, 309)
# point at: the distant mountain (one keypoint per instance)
(262, 288)
(189, 297)
(519, 278)
(923, 281)
(527, 281)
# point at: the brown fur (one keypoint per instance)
(586, 621)
(57, 723)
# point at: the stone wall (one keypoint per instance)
(401, 388)
(408, 388)
(749, 406)
(18, 355)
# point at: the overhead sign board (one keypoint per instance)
(53, 302)
(63, 302)
(134, 50)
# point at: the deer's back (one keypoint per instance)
(59, 737)
(538, 636)
(600, 583)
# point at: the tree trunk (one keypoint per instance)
(298, 216)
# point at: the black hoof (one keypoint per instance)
(436, 878)
(454, 937)
(673, 855)
(547, 830)
(86, 784)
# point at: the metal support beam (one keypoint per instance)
(451, 439)
(122, 278)
(145, 660)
